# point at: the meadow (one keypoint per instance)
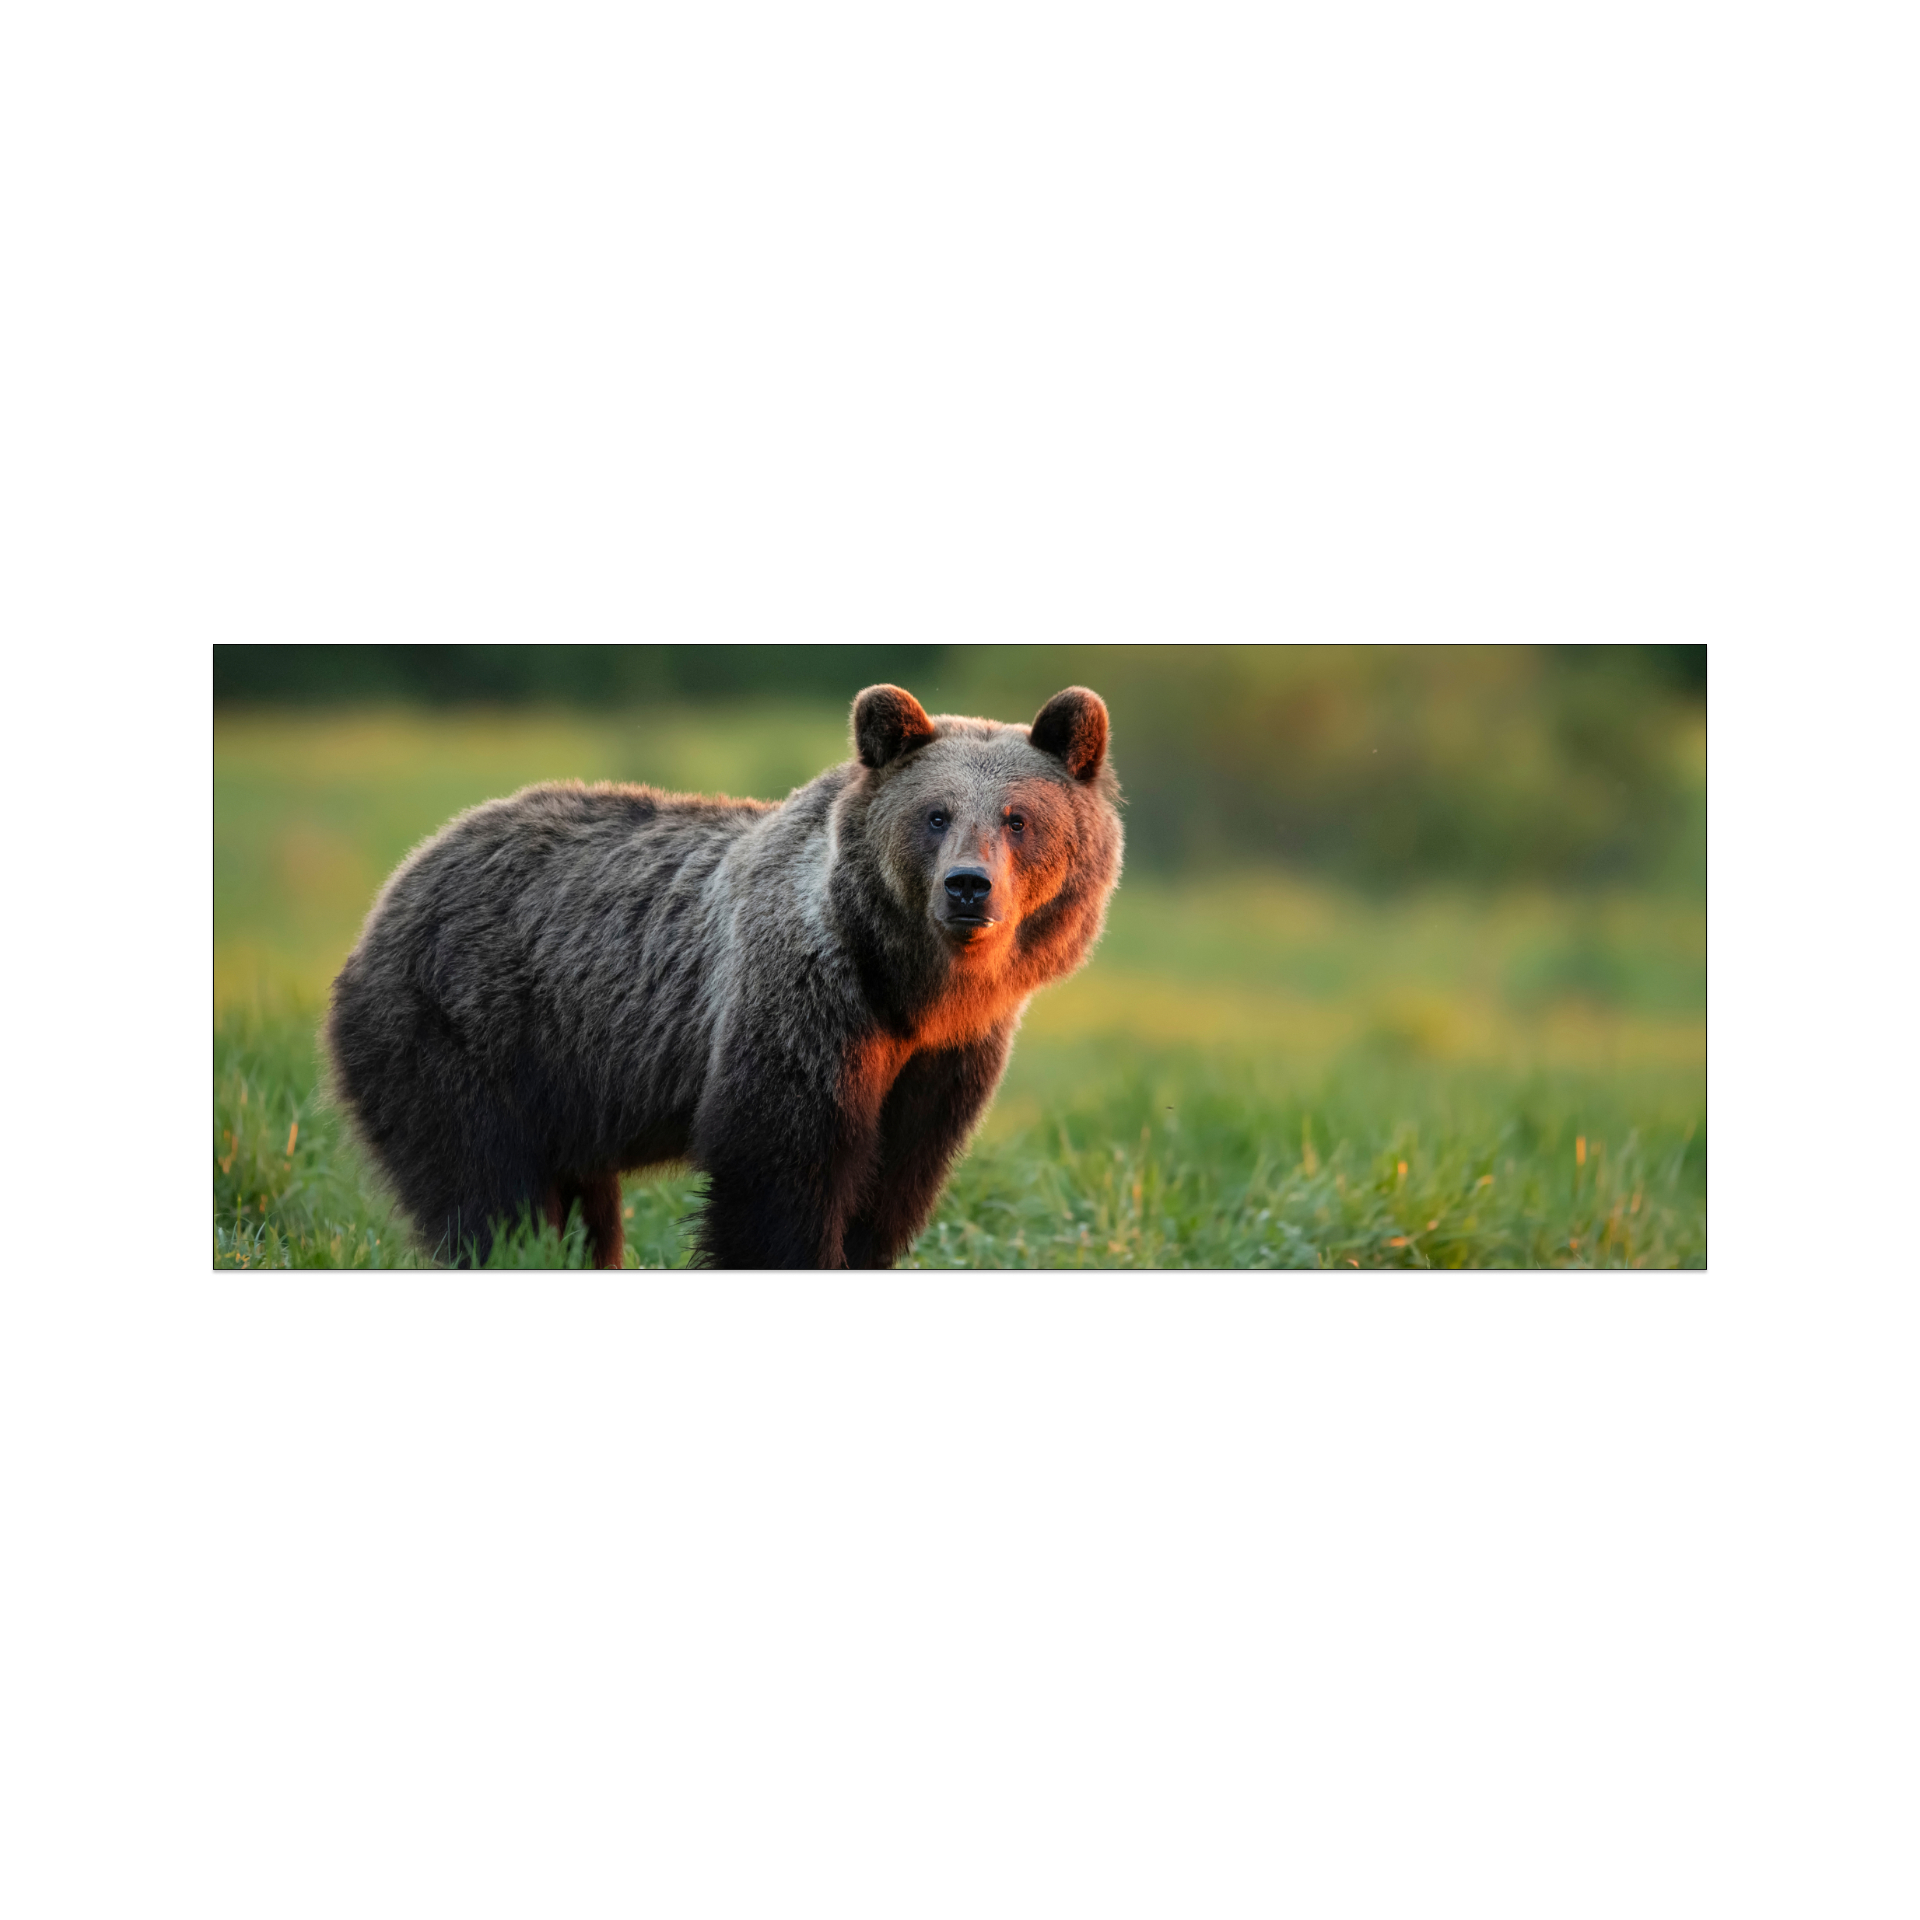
(1256, 1069)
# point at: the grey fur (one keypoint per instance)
(812, 1002)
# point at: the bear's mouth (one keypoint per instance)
(963, 927)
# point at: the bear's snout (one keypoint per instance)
(968, 888)
(967, 905)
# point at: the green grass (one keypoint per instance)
(1176, 1157)
(1253, 1071)
(1188, 1160)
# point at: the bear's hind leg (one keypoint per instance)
(600, 1214)
(458, 1220)
(599, 1197)
(459, 1230)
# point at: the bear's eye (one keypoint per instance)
(1016, 823)
(937, 821)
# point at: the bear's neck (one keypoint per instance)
(914, 989)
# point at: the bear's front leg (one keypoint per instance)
(786, 1133)
(929, 1112)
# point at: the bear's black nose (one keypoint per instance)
(968, 886)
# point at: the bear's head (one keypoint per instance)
(1002, 841)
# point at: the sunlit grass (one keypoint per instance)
(1101, 1158)
(1193, 1159)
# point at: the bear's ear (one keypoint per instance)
(887, 722)
(1072, 726)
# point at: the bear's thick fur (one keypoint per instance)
(810, 1002)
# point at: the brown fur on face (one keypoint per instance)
(1032, 848)
(811, 1002)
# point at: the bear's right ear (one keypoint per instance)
(887, 722)
(1072, 726)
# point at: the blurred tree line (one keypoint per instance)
(1381, 765)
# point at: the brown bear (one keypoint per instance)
(811, 1002)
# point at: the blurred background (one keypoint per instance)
(1384, 908)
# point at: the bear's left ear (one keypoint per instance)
(887, 722)
(1072, 726)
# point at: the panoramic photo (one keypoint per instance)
(944, 956)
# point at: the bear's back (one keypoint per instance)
(569, 925)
